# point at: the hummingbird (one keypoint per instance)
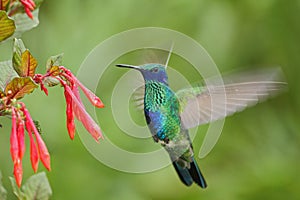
(170, 115)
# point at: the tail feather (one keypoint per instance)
(196, 174)
(183, 174)
(191, 174)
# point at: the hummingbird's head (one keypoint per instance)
(150, 72)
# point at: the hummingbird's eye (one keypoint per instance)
(155, 69)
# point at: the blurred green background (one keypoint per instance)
(258, 154)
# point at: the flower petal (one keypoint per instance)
(28, 4)
(21, 137)
(34, 155)
(70, 115)
(14, 146)
(18, 172)
(43, 151)
(95, 101)
(80, 113)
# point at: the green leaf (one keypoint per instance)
(23, 23)
(7, 26)
(16, 189)
(50, 81)
(19, 46)
(38, 3)
(37, 187)
(7, 74)
(54, 61)
(20, 86)
(2, 189)
(18, 50)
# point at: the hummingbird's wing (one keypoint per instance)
(201, 105)
(138, 97)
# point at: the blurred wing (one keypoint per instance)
(201, 105)
(138, 97)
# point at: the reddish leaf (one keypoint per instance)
(54, 70)
(24, 63)
(20, 86)
(28, 65)
(3, 4)
(7, 26)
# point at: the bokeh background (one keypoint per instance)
(258, 154)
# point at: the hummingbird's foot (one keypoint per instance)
(166, 140)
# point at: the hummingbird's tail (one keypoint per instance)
(189, 174)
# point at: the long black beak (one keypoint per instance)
(128, 66)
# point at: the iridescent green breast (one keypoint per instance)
(162, 107)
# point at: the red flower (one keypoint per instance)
(73, 100)
(34, 155)
(96, 101)
(70, 115)
(29, 6)
(43, 151)
(80, 113)
(17, 142)
(21, 118)
(14, 146)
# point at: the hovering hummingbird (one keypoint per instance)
(169, 115)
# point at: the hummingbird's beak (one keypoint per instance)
(128, 66)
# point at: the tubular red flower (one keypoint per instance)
(28, 12)
(70, 115)
(21, 137)
(34, 155)
(77, 95)
(43, 151)
(18, 172)
(14, 146)
(95, 101)
(84, 117)
(29, 6)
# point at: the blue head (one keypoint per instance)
(150, 72)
